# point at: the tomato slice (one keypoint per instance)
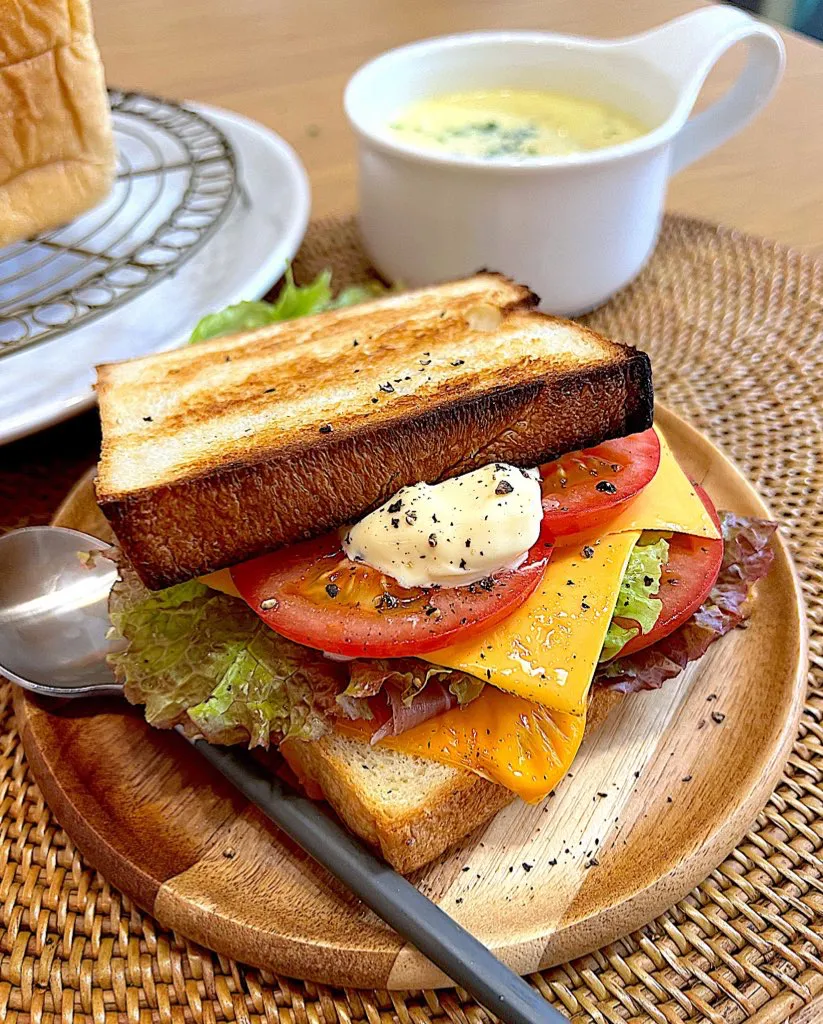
(313, 594)
(685, 581)
(584, 489)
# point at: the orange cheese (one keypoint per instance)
(221, 580)
(508, 740)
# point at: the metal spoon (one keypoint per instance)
(53, 640)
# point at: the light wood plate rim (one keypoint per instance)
(387, 963)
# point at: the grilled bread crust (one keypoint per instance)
(410, 809)
(219, 452)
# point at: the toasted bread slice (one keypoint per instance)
(409, 808)
(218, 452)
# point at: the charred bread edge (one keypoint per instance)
(634, 361)
(153, 524)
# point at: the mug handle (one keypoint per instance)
(687, 49)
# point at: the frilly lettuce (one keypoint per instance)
(465, 687)
(747, 557)
(617, 637)
(192, 653)
(293, 301)
(410, 676)
(635, 601)
(357, 293)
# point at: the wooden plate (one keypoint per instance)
(653, 803)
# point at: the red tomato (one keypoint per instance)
(686, 580)
(584, 489)
(313, 594)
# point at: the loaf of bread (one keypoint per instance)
(56, 148)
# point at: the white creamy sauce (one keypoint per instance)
(453, 533)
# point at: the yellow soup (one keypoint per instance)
(505, 123)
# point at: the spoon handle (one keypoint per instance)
(458, 953)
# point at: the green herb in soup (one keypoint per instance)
(504, 123)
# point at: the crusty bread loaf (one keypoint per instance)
(218, 452)
(408, 808)
(57, 149)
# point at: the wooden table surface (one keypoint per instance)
(285, 63)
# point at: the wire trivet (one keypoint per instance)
(175, 182)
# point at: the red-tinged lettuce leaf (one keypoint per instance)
(400, 693)
(747, 556)
(410, 675)
(353, 707)
(436, 699)
(201, 658)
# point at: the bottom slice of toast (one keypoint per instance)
(410, 808)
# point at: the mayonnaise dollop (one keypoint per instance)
(453, 533)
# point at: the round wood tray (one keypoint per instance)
(654, 801)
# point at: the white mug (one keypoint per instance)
(575, 228)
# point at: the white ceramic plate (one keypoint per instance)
(52, 381)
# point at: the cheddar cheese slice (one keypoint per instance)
(513, 742)
(221, 580)
(547, 650)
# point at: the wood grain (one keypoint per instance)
(652, 804)
(286, 65)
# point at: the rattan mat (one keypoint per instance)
(735, 329)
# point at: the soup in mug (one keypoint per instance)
(494, 124)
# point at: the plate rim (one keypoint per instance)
(257, 284)
(640, 906)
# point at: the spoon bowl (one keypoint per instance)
(54, 612)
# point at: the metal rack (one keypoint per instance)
(176, 182)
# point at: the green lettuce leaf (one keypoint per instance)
(357, 293)
(193, 653)
(617, 637)
(244, 316)
(635, 601)
(465, 687)
(293, 301)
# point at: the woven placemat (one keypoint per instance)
(734, 326)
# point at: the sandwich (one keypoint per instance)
(423, 544)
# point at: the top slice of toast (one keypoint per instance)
(218, 452)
